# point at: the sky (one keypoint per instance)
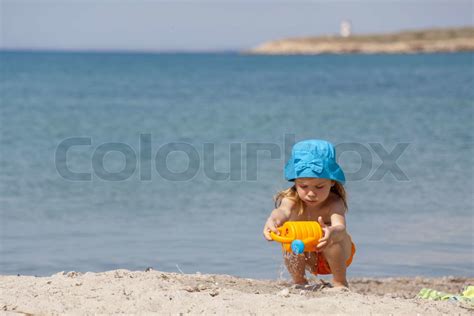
(225, 25)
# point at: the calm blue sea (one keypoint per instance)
(198, 143)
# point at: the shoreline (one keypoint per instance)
(407, 42)
(163, 292)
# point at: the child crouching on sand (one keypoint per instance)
(317, 195)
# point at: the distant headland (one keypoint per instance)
(420, 41)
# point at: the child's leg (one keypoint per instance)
(296, 267)
(337, 254)
(312, 262)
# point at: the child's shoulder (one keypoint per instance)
(336, 204)
(287, 204)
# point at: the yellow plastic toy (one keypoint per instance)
(299, 236)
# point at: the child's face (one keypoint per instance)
(313, 191)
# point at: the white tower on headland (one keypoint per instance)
(346, 28)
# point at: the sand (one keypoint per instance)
(123, 291)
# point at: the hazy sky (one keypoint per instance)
(207, 25)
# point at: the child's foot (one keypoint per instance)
(302, 281)
(338, 290)
(340, 284)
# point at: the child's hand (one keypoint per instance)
(326, 240)
(270, 226)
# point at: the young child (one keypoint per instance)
(317, 195)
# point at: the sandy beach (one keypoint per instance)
(123, 291)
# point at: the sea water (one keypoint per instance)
(181, 155)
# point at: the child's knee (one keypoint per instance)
(291, 258)
(296, 266)
(333, 248)
(337, 249)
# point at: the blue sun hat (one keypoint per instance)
(313, 158)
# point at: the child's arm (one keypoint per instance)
(337, 231)
(277, 218)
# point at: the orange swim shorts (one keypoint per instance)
(323, 265)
